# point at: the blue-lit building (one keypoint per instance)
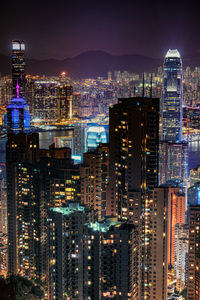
(18, 116)
(95, 136)
(172, 97)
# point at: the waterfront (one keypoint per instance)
(46, 138)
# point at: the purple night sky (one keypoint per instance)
(67, 28)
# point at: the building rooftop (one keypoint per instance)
(70, 208)
(17, 102)
(173, 53)
(104, 225)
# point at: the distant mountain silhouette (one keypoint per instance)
(93, 64)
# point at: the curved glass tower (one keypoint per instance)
(172, 110)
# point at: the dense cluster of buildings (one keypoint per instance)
(122, 223)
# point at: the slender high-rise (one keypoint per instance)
(18, 67)
(172, 110)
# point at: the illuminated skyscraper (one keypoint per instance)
(172, 110)
(18, 67)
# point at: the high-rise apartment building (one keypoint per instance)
(172, 110)
(66, 229)
(18, 68)
(181, 255)
(90, 259)
(36, 180)
(133, 155)
(156, 240)
(110, 260)
(61, 176)
(193, 287)
(94, 179)
(22, 151)
(176, 216)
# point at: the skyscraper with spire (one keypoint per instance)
(173, 150)
(172, 110)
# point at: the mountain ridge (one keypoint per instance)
(93, 64)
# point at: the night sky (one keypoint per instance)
(67, 28)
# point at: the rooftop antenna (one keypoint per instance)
(151, 88)
(17, 89)
(143, 85)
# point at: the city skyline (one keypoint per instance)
(99, 183)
